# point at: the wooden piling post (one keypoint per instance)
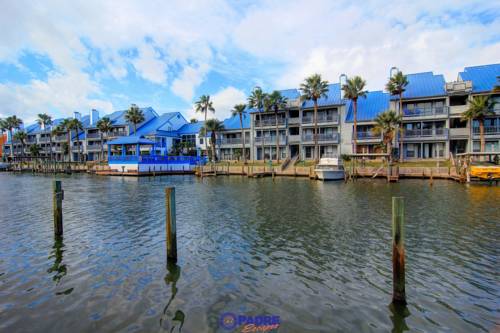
(58, 196)
(398, 251)
(431, 179)
(171, 224)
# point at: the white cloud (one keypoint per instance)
(368, 38)
(149, 64)
(223, 101)
(188, 80)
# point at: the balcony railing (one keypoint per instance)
(270, 140)
(458, 87)
(94, 135)
(60, 138)
(231, 141)
(488, 130)
(321, 137)
(115, 134)
(94, 147)
(367, 135)
(44, 139)
(425, 112)
(269, 122)
(426, 132)
(152, 159)
(322, 118)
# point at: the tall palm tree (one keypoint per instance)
(313, 88)
(12, 123)
(397, 86)
(203, 105)
(45, 120)
(56, 131)
(277, 102)
(134, 116)
(480, 107)
(104, 126)
(239, 110)
(214, 127)
(387, 124)
(34, 150)
(256, 100)
(77, 126)
(21, 136)
(353, 90)
(66, 126)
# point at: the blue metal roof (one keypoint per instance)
(291, 94)
(483, 77)
(154, 126)
(190, 128)
(422, 85)
(368, 108)
(233, 123)
(131, 140)
(332, 99)
(118, 117)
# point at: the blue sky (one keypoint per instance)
(64, 56)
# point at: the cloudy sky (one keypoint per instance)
(64, 56)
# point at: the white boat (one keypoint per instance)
(330, 168)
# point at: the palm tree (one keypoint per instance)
(56, 131)
(277, 102)
(34, 150)
(21, 136)
(386, 124)
(104, 125)
(256, 100)
(203, 105)
(77, 126)
(480, 107)
(397, 86)
(239, 110)
(12, 123)
(214, 127)
(313, 88)
(45, 120)
(353, 89)
(134, 116)
(496, 88)
(66, 126)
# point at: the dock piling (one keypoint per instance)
(398, 251)
(171, 224)
(58, 197)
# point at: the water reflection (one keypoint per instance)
(399, 313)
(173, 275)
(57, 253)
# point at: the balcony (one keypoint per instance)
(488, 130)
(93, 135)
(458, 87)
(429, 133)
(294, 121)
(458, 109)
(31, 140)
(435, 112)
(322, 118)
(60, 138)
(269, 122)
(367, 135)
(232, 141)
(270, 140)
(294, 138)
(322, 137)
(75, 149)
(459, 132)
(114, 134)
(94, 147)
(44, 139)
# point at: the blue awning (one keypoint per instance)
(131, 140)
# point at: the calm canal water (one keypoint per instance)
(316, 254)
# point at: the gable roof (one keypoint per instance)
(233, 122)
(375, 103)
(156, 125)
(190, 128)
(332, 99)
(425, 84)
(483, 78)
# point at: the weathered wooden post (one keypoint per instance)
(431, 179)
(58, 197)
(398, 251)
(171, 224)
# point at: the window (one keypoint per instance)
(201, 141)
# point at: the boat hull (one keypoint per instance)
(330, 174)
